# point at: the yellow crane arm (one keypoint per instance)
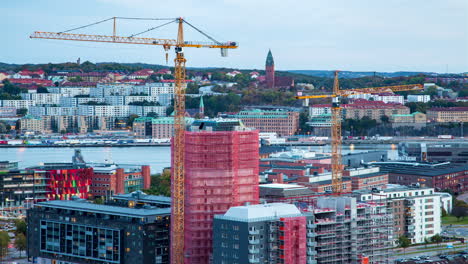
(131, 40)
(395, 88)
(316, 96)
(348, 92)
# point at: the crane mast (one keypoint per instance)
(336, 144)
(178, 188)
(178, 172)
(336, 118)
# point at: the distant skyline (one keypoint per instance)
(361, 35)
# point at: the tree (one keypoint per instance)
(3, 128)
(131, 119)
(20, 243)
(42, 89)
(443, 212)
(22, 111)
(460, 212)
(432, 91)
(98, 201)
(384, 119)
(160, 184)
(21, 227)
(303, 119)
(436, 239)
(10, 88)
(404, 242)
(152, 114)
(4, 241)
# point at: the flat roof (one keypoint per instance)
(141, 196)
(421, 169)
(106, 209)
(282, 186)
(260, 212)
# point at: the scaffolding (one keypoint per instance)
(344, 231)
(219, 173)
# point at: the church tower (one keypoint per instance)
(270, 71)
(201, 108)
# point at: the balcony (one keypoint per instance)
(254, 260)
(311, 252)
(254, 250)
(254, 232)
(311, 244)
(254, 242)
(311, 234)
(311, 226)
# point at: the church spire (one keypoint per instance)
(269, 60)
(202, 106)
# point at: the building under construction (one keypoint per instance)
(221, 171)
(351, 232)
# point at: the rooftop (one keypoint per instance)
(450, 109)
(421, 169)
(141, 196)
(106, 209)
(260, 212)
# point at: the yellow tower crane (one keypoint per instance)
(177, 181)
(336, 113)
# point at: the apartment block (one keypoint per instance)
(20, 189)
(30, 123)
(18, 103)
(418, 98)
(373, 109)
(43, 98)
(282, 122)
(448, 114)
(263, 233)
(221, 171)
(416, 210)
(70, 91)
(113, 179)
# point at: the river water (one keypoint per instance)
(157, 157)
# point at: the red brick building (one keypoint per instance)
(111, 179)
(273, 81)
(442, 176)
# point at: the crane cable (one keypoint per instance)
(102, 21)
(203, 33)
(153, 28)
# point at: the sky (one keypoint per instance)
(357, 35)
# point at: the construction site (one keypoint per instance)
(215, 166)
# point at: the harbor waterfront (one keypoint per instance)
(158, 157)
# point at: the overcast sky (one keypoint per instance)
(356, 35)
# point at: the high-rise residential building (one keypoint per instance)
(324, 230)
(263, 233)
(416, 210)
(282, 122)
(221, 171)
(81, 232)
